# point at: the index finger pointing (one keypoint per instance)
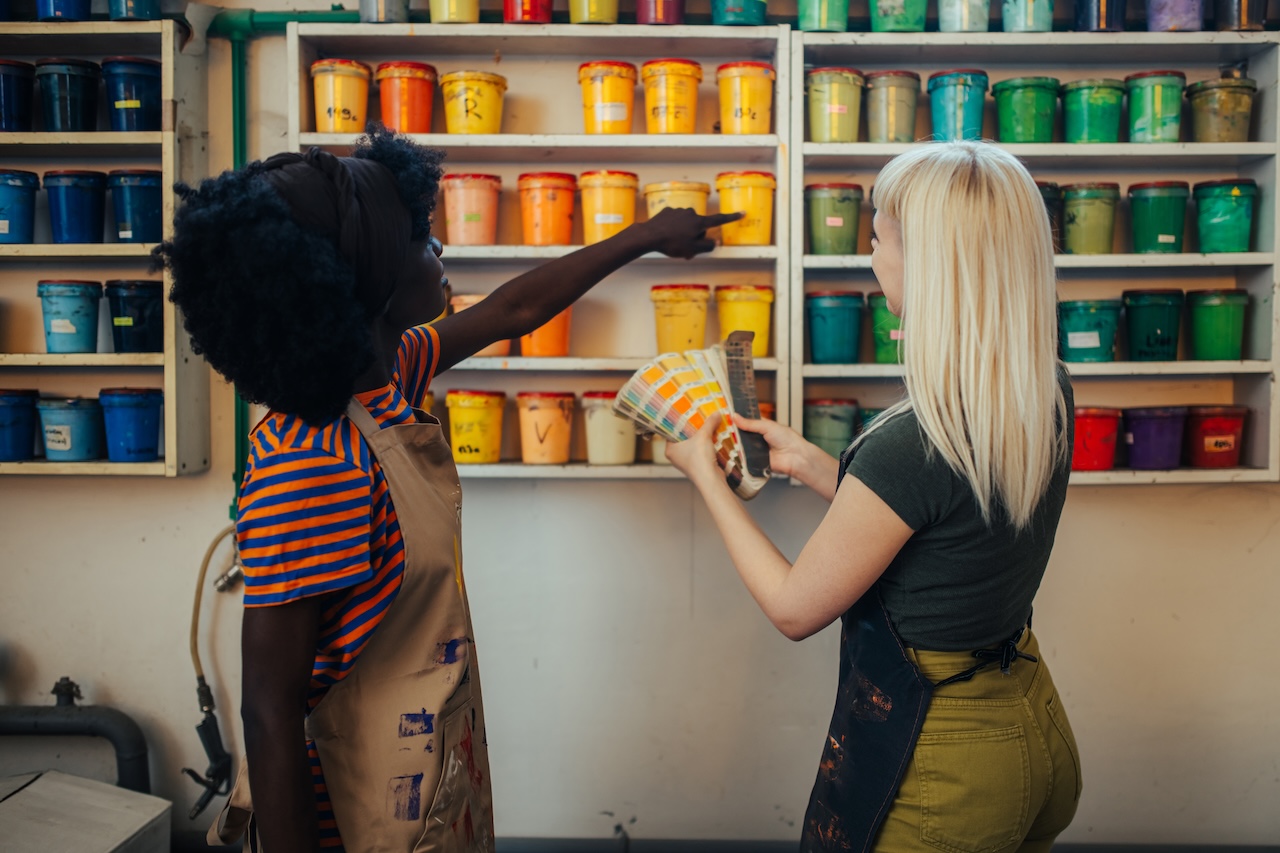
(717, 219)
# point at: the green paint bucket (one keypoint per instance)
(1221, 110)
(898, 16)
(835, 103)
(1224, 214)
(830, 424)
(1052, 195)
(1155, 105)
(891, 105)
(1091, 110)
(823, 16)
(833, 218)
(1089, 218)
(1159, 214)
(886, 330)
(1152, 319)
(1216, 324)
(1087, 329)
(1025, 107)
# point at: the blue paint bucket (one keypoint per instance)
(18, 205)
(72, 429)
(133, 92)
(70, 315)
(77, 205)
(132, 418)
(136, 197)
(834, 318)
(17, 425)
(17, 84)
(69, 94)
(137, 315)
(62, 10)
(957, 102)
(134, 10)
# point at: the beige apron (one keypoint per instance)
(402, 737)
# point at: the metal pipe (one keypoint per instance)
(132, 770)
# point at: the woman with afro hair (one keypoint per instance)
(306, 280)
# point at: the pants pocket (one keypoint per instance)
(1058, 716)
(975, 789)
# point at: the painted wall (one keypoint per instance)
(652, 693)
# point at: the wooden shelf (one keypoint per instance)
(69, 360)
(76, 251)
(83, 38)
(1060, 155)
(525, 254)
(577, 365)
(1077, 369)
(98, 144)
(533, 149)
(84, 469)
(572, 471)
(1124, 476)
(1079, 262)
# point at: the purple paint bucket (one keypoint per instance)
(1154, 437)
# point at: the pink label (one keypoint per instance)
(1219, 443)
(835, 221)
(895, 334)
(838, 109)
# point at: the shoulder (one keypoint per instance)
(896, 461)
(282, 439)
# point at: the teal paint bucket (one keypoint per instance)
(1091, 110)
(1027, 16)
(1152, 320)
(1158, 215)
(957, 100)
(72, 429)
(1089, 218)
(77, 205)
(743, 13)
(1155, 105)
(823, 16)
(18, 205)
(70, 311)
(137, 198)
(1087, 329)
(18, 424)
(830, 424)
(132, 420)
(834, 318)
(1025, 108)
(1215, 321)
(886, 330)
(137, 315)
(898, 16)
(1224, 214)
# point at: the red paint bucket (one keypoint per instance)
(659, 11)
(1095, 443)
(1215, 435)
(526, 11)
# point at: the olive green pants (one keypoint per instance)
(996, 769)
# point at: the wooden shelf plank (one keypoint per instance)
(1080, 369)
(75, 251)
(573, 471)
(1092, 262)
(532, 149)
(1060, 155)
(1182, 475)
(90, 38)
(523, 254)
(98, 144)
(85, 469)
(73, 360)
(576, 365)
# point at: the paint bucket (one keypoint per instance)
(136, 197)
(526, 11)
(546, 207)
(957, 100)
(593, 11)
(768, 411)
(17, 85)
(1100, 16)
(1089, 218)
(69, 94)
(70, 311)
(679, 194)
(475, 425)
(823, 16)
(134, 10)
(608, 203)
(1027, 16)
(551, 339)
(1215, 436)
(659, 445)
(1222, 109)
(830, 424)
(1175, 16)
(835, 101)
(891, 105)
(132, 420)
(341, 94)
(1025, 107)
(746, 308)
(1052, 195)
(611, 439)
(1224, 214)
(746, 97)
(660, 12)
(473, 101)
(384, 11)
(18, 205)
(77, 205)
(471, 209)
(1095, 439)
(463, 301)
(680, 316)
(1158, 214)
(455, 11)
(546, 426)
(1239, 14)
(670, 94)
(137, 315)
(62, 10)
(964, 16)
(833, 218)
(72, 429)
(132, 87)
(1153, 318)
(17, 425)
(608, 96)
(834, 318)
(898, 16)
(1216, 324)
(886, 330)
(1091, 110)
(746, 13)
(752, 194)
(1155, 105)
(405, 92)
(1087, 329)
(1154, 437)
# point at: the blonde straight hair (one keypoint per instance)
(979, 319)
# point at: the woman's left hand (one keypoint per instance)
(696, 457)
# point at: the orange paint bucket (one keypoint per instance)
(546, 426)
(406, 92)
(546, 208)
(463, 301)
(551, 340)
(471, 209)
(608, 203)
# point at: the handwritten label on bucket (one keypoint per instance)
(1083, 340)
(57, 438)
(62, 327)
(1219, 443)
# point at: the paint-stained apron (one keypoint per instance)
(402, 738)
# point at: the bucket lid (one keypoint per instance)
(1156, 412)
(1225, 292)
(548, 176)
(705, 288)
(877, 75)
(688, 62)
(139, 60)
(1222, 83)
(1102, 185)
(599, 395)
(555, 395)
(607, 63)
(1025, 82)
(736, 287)
(68, 282)
(74, 173)
(1218, 411)
(135, 173)
(813, 294)
(1160, 185)
(486, 76)
(745, 64)
(83, 64)
(469, 176)
(13, 66)
(1089, 304)
(345, 64)
(1145, 74)
(459, 392)
(130, 392)
(134, 284)
(20, 175)
(1094, 83)
(19, 392)
(405, 68)
(836, 68)
(67, 403)
(830, 402)
(730, 175)
(1248, 186)
(687, 186)
(856, 187)
(608, 173)
(1163, 293)
(1093, 412)
(937, 74)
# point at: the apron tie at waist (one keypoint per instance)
(1006, 653)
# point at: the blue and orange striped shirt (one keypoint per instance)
(315, 518)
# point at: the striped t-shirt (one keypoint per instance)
(315, 518)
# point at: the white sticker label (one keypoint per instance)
(609, 219)
(895, 334)
(1083, 340)
(1219, 443)
(62, 327)
(4, 226)
(1166, 238)
(837, 109)
(611, 111)
(835, 221)
(126, 235)
(57, 438)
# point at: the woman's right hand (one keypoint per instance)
(788, 450)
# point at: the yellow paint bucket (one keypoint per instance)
(455, 11)
(746, 308)
(608, 203)
(608, 96)
(475, 425)
(692, 194)
(752, 194)
(546, 426)
(746, 97)
(680, 314)
(463, 301)
(670, 94)
(342, 95)
(473, 101)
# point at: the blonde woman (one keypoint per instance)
(948, 733)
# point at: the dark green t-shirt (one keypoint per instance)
(957, 584)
